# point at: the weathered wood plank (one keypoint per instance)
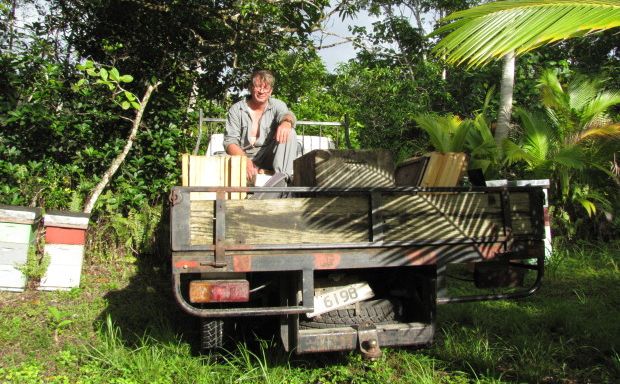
(283, 221)
(344, 168)
(441, 216)
(430, 216)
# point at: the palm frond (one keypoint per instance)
(538, 135)
(440, 129)
(552, 92)
(571, 157)
(490, 31)
(514, 153)
(593, 114)
(590, 199)
(606, 131)
(459, 136)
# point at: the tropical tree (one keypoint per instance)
(506, 29)
(574, 143)
(490, 31)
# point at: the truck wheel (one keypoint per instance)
(380, 311)
(212, 333)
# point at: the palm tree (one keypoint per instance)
(561, 143)
(506, 29)
(493, 30)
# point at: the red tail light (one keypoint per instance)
(219, 291)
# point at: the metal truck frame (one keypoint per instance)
(254, 258)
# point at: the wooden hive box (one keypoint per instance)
(65, 237)
(344, 168)
(17, 234)
(214, 171)
(444, 169)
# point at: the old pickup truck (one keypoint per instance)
(345, 268)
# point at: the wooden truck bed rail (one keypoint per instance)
(339, 228)
(323, 217)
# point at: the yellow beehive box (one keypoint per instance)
(214, 171)
(444, 169)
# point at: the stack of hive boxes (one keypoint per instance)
(65, 236)
(17, 235)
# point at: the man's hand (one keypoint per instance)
(251, 170)
(283, 131)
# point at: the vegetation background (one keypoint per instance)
(73, 80)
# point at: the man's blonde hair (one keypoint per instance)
(263, 76)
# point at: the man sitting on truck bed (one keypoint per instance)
(262, 128)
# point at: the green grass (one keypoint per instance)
(123, 326)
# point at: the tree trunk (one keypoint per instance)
(505, 99)
(92, 199)
(11, 22)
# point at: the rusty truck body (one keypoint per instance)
(347, 268)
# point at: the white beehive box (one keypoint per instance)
(17, 235)
(65, 236)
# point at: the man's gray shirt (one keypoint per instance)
(239, 123)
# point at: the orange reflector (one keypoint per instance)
(219, 291)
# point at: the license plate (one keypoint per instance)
(340, 297)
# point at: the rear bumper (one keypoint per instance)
(348, 338)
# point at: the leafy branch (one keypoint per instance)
(113, 80)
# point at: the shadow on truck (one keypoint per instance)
(347, 268)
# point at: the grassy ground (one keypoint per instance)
(123, 326)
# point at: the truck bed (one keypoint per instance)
(402, 233)
(320, 218)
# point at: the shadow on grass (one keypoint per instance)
(567, 332)
(146, 306)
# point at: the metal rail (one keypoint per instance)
(229, 312)
(540, 268)
(303, 124)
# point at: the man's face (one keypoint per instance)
(261, 90)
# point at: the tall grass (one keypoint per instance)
(134, 333)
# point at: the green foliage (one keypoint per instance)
(187, 43)
(482, 148)
(58, 319)
(35, 266)
(446, 133)
(490, 31)
(572, 145)
(112, 79)
(124, 237)
(83, 133)
(366, 91)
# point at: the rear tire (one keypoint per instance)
(380, 311)
(212, 334)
